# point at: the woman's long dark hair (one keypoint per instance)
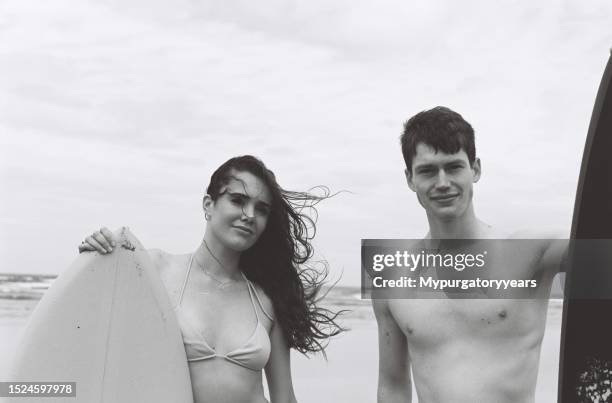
(278, 260)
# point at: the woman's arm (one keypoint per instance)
(278, 368)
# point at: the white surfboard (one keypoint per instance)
(107, 324)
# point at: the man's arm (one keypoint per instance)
(554, 258)
(393, 359)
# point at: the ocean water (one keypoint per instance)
(20, 293)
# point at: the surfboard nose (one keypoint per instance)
(127, 240)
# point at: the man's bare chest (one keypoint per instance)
(431, 322)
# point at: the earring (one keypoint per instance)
(206, 216)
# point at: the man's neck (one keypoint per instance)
(467, 226)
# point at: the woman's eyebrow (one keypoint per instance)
(246, 196)
(266, 204)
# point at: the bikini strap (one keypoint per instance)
(253, 290)
(186, 278)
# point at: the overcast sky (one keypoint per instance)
(117, 112)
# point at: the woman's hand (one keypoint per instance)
(100, 241)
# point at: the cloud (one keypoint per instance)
(117, 112)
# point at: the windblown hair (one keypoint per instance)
(440, 128)
(279, 260)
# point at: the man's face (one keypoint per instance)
(443, 182)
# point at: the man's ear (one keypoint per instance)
(477, 169)
(409, 181)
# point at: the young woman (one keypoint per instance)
(245, 296)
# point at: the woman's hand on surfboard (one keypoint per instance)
(100, 241)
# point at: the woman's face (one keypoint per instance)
(240, 214)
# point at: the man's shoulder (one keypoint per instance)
(551, 246)
(542, 239)
(539, 236)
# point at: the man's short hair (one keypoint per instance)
(440, 128)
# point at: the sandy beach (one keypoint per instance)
(350, 372)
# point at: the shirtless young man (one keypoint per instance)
(461, 350)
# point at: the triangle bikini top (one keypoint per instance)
(254, 352)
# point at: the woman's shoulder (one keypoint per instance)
(171, 268)
(161, 259)
(168, 264)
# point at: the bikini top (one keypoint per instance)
(254, 352)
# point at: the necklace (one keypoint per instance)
(220, 284)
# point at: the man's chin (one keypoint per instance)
(447, 213)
